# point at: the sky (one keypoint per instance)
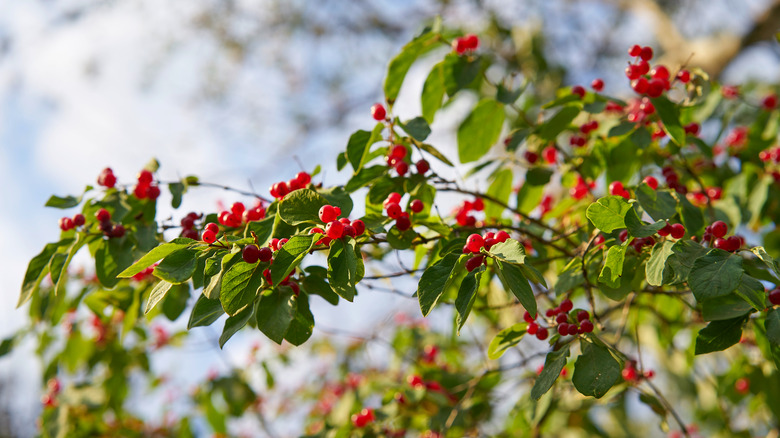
(136, 79)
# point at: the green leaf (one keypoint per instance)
(205, 312)
(435, 152)
(752, 292)
(691, 215)
(613, 266)
(400, 239)
(155, 255)
(64, 202)
(637, 228)
(659, 204)
(560, 121)
(214, 286)
(301, 206)
(757, 199)
(176, 301)
(111, 258)
(685, 254)
(655, 269)
(773, 326)
(302, 326)
(570, 277)
(501, 189)
(36, 268)
(505, 339)
(467, 293)
(538, 176)
(480, 130)
(399, 66)
(433, 92)
(553, 364)
(714, 274)
(290, 256)
(510, 251)
(178, 266)
(767, 259)
(360, 143)
(315, 284)
(671, 118)
(724, 307)
(275, 311)
(459, 72)
(263, 229)
(7, 345)
(365, 177)
(417, 127)
(608, 213)
(158, 293)
(177, 191)
(513, 277)
(240, 285)
(435, 280)
(234, 324)
(719, 335)
(595, 371)
(342, 268)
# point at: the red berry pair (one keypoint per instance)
(188, 226)
(393, 208)
(252, 254)
(145, 189)
(107, 178)
(465, 44)
(462, 213)
(363, 418)
(282, 188)
(108, 228)
(67, 223)
(582, 188)
(616, 188)
(677, 231)
(475, 243)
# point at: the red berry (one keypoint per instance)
(349, 230)
(527, 317)
(118, 231)
(582, 315)
(597, 84)
(550, 154)
(660, 72)
(190, 233)
(541, 334)
(398, 151)
(616, 188)
(560, 319)
(502, 236)
(532, 328)
(153, 192)
(651, 181)
(328, 213)
(721, 243)
(251, 254)
(471, 41)
(378, 112)
(635, 50)
(401, 168)
(359, 227)
(103, 215)
(334, 230)
(475, 242)
(265, 254)
(770, 102)
(303, 178)
(586, 326)
(633, 72)
(719, 228)
(79, 219)
(417, 206)
(656, 87)
(684, 76)
(531, 157)
(403, 223)
(640, 85)
(742, 385)
(566, 305)
(563, 329)
(623, 235)
(578, 90)
(393, 210)
(734, 243)
(646, 54)
(422, 166)
(489, 242)
(629, 374)
(209, 236)
(460, 45)
(66, 223)
(774, 297)
(145, 177)
(211, 226)
(678, 231)
(474, 262)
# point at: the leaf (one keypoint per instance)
(724, 307)
(752, 291)
(342, 268)
(505, 339)
(155, 255)
(513, 277)
(435, 152)
(302, 326)
(176, 301)
(670, 116)
(553, 364)
(263, 229)
(435, 280)
(714, 274)
(433, 92)
(500, 189)
(655, 269)
(557, 123)
(399, 66)
(570, 277)
(359, 144)
(510, 251)
(64, 202)
(459, 72)
(178, 266)
(205, 312)
(275, 311)
(234, 324)
(719, 335)
(608, 213)
(691, 215)
(417, 127)
(400, 239)
(659, 204)
(467, 293)
(177, 190)
(637, 228)
(301, 206)
(112, 257)
(35, 270)
(767, 259)
(158, 293)
(290, 256)
(214, 286)
(685, 254)
(772, 325)
(538, 176)
(480, 130)
(240, 285)
(613, 266)
(595, 371)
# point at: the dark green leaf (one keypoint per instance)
(538, 176)
(205, 312)
(240, 285)
(659, 204)
(435, 280)
(63, 202)
(719, 335)
(433, 92)
(637, 228)
(177, 190)
(714, 274)
(111, 258)
(513, 278)
(418, 128)
(396, 71)
(35, 270)
(480, 130)
(595, 371)
(342, 268)
(263, 229)
(752, 291)
(400, 239)
(302, 326)
(685, 254)
(178, 266)
(156, 254)
(234, 324)
(290, 256)
(671, 118)
(275, 311)
(655, 269)
(553, 364)
(560, 121)
(176, 301)
(365, 177)
(505, 339)
(724, 307)
(467, 293)
(435, 152)
(773, 326)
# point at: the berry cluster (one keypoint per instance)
(145, 188)
(638, 110)
(107, 178)
(188, 226)
(476, 242)
(363, 418)
(396, 159)
(53, 388)
(673, 180)
(392, 205)
(631, 375)
(463, 213)
(467, 43)
(253, 254)
(416, 382)
(715, 235)
(282, 188)
(581, 188)
(616, 188)
(67, 223)
(108, 228)
(336, 228)
(239, 214)
(566, 324)
(771, 154)
(653, 82)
